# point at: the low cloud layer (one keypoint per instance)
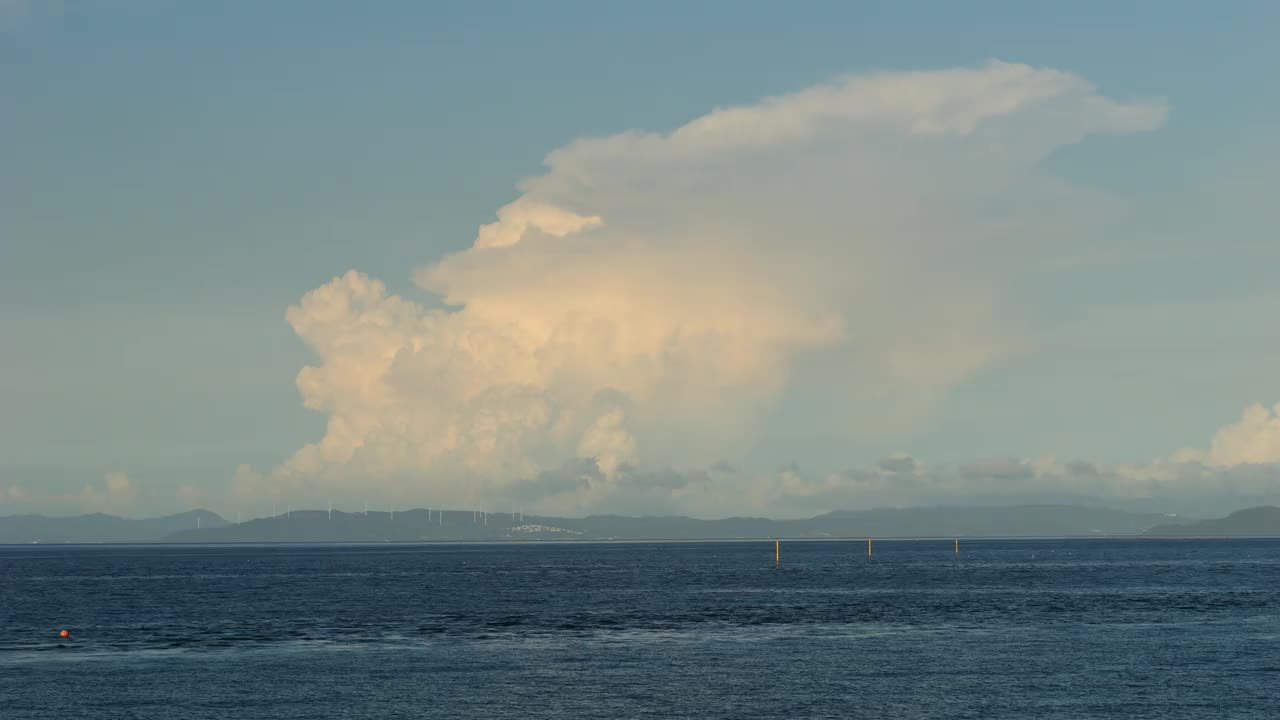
(115, 494)
(644, 302)
(1240, 467)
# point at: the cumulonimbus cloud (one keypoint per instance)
(643, 303)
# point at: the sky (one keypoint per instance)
(707, 258)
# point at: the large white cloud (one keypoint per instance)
(1253, 440)
(643, 302)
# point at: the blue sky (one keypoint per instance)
(176, 175)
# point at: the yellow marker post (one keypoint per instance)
(957, 546)
(777, 552)
(868, 547)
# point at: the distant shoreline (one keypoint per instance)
(422, 526)
(649, 541)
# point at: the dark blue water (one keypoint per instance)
(1022, 629)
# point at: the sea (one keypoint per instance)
(1004, 629)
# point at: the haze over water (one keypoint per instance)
(1009, 629)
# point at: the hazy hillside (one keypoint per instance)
(1251, 522)
(99, 528)
(420, 525)
(464, 525)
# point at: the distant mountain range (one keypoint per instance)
(202, 526)
(98, 528)
(1253, 522)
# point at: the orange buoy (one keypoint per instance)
(64, 633)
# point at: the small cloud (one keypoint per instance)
(116, 494)
(516, 220)
(575, 475)
(898, 464)
(117, 483)
(1080, 468)
(666, 479)
(189, 496)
